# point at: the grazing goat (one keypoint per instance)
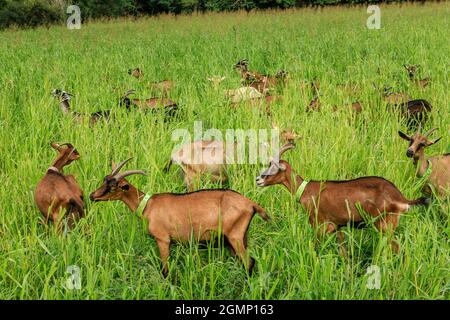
(434, 170)
(64, 103)
(184, 217)
(137, 73)
(334, 204)
(153, 103)
(412, 69)
(56, 192)
(212, 161)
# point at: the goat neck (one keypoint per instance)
(421, 163)
(292, 180)
(132, 198)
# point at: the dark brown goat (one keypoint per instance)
(64, 103)
(183, 217)
(334, 204)
(56, 192)
(439, 177)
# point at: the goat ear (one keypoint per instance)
(113, 165)
(404, 136)
(433, 142)
(55, 145)
(282, 166)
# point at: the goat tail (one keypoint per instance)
(75, 207)
(262, 213)
(423, 201)
(167, 166)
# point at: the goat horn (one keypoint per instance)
(129, 92)
(285, 148)
(430, 132)
(129, 173)
(120, 166)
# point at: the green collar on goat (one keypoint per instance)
(143, 204)
(301, 189)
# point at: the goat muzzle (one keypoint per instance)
(409, 153)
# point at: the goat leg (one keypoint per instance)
(164, 247)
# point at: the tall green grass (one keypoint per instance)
(117, 258)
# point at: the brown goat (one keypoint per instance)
(334, 204)
(184, 217)
(247, 76)
(136, 72)
(268, 83)
(56, 192)
(412, 70)
(262, 83)
(439, 176)
(152, 104)
(212, 155)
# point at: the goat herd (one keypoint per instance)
(201, 214)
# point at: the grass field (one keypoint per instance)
(116, 256)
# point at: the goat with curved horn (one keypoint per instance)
(125, 174)
(117, 168)
(175, 217)
(334, 204)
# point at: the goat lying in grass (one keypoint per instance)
(262, 83)
(185, 217)
(64, 103)
(250, 95)
(412, 70)
(434, 170)
(56, 192)
(334, 204)
(151, 104)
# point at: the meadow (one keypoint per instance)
(116, 257)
